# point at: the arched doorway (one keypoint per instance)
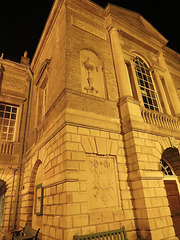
(170, 165)
(2, 201)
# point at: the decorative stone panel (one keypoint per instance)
(91, 74)
(102, 182)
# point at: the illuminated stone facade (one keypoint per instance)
(103, 112)
(15, 85)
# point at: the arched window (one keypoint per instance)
(145, 81)
(166, 168)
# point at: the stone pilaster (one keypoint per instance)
(162, 92)
(120, 67)
(152, 213)
(170, 86)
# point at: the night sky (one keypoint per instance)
(22, 22)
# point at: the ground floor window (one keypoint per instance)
(166, 168)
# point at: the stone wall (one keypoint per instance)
(85, 184)
(9, 176)
(144, 152)
(95, 151)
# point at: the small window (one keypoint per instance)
(44, 93)
(42, 102)
(8, 115)
(146, 85)
(42, 87)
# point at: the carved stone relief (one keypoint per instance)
(91, 74)
(102, 182)
(12, 85)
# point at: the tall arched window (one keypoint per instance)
(147, 88)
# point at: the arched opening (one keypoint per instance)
(2, 201)
(37, 215)
(31, 191)
(170, 165)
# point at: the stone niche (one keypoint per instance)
(102, 183)
(92, 79)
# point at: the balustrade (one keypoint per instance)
(160, 119)
(6, 148)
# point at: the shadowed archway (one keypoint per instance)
(2, 201)
(31, 191)
(170, 165)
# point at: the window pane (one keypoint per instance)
(139, 75)
(7, 115)
(8, 109)
(148, 93)
(146, 84)
(155, 103)
(10, 137)
(142, 70)
(2, 107)
(6, 122)
(141, 83)
(150, 101)
(144, 99)
(151, 86)
(12, 123)
(4, 129)
(153, 95)
(144, 77)
(14, 110)
(2, 136)
(13, 116)
(11, 130)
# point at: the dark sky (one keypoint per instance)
(22, 22)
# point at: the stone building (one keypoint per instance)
(15, 87)
(96, 142)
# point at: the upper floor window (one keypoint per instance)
(147, 88)
(42, 91)
(8, 115)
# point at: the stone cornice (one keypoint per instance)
(13, 65)
(135, 28)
